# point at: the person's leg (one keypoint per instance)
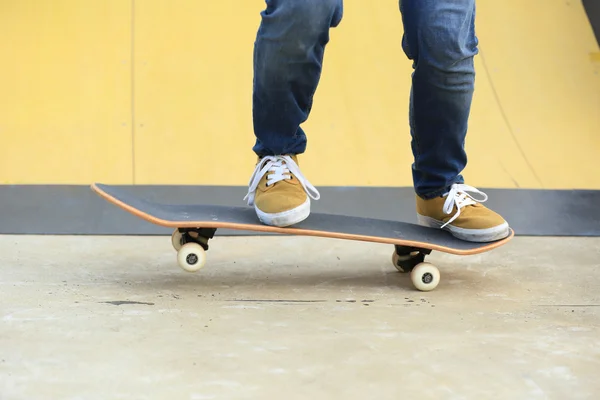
(288, 58)
(439, 36)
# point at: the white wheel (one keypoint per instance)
(191, 257)
(176, 239)
(425, 277)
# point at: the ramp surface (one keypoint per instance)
(534, 120)
(161, 102)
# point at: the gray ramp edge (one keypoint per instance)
(75, 209)
(592, 9)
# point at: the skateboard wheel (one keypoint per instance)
(176, 239)
(191, 257)
(425, 277)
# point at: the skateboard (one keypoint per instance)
(195, 224)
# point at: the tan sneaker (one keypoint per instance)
(279, 192)
(463, 215)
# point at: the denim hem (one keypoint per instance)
(432, 194)
(262, 154)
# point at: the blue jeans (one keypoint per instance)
(439, 37)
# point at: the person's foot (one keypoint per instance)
(463, 215)
(279, 192)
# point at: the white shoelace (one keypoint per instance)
(458, 196)
(279, 168)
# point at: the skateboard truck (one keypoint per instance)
(407, 259)
(197, 235)
(191, 245)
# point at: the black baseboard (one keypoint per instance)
(592, 8)
(76, 210)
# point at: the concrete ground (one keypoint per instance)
(295, 318)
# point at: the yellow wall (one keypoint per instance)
(65, 97)
(135, 92)
(193, 80)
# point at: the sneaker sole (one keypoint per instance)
(469, 235)
(285, 218)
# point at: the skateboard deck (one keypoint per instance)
(195, 224)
